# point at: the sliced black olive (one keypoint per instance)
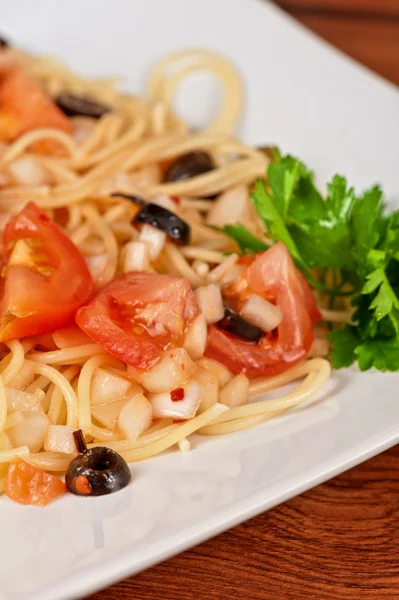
(233, 323)
(163, 219)
(96, 472)
(189, 165)
(135, 199)
(80, 106)
(4, 43)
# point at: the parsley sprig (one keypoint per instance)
(351, 236)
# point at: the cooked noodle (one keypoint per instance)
(122, 152)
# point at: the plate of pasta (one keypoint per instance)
(199, 278)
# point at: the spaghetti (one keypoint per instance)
(77, 183)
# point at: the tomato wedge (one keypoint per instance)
(45, 278)
(23, 106)
(273, 276)
(139, 315)
(27, 484)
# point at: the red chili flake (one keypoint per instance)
(177, 394)
(44, 217)
(176, 199)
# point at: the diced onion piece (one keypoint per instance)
(200, 267)
(59, 438)
(70, 336)
(135, 417)
(164, 406)
(196, 336)
(136, 257)
(174, 369)
(210, 302)
(236, 392)
(221, 372)
(232, 274)
(217, 273)
(164, 201)
(261, 313)
(229, 207)
(154, 239)
(31, 431)
(27, 170)
(96, 264)
(17, 400)
(210, 388)
(12, 419)
(106, 387)
(108, 413)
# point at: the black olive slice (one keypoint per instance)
(135, 199)
(4, 43)
(163, 219)
(189, 165)
(233, 323)
(80, 106)
(96, 472)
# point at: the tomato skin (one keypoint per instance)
(139, 315)
(33, 303)
(27, 484)
(23, 106)
(272, 275)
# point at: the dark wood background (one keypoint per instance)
(340, 541)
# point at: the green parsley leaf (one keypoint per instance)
(383, 354)
(323, 236)
(344, 342)
(244, 238)
(367, 225)
(275, 223)
(385, 300)
(347, 235)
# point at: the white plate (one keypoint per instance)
(312, 101)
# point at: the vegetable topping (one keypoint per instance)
(73, 106)
(41, 260)
(273, 276)
(139, 315)
(23, 107)
(165, 220)
(352, 242)
(189, 165)
(27, 484)
(236, 325)
(96, 472)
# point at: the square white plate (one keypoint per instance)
(335, 115)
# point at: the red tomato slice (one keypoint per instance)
(274, 276)
(139, 315)
(45, 278)
(23, 106)
(30, 485)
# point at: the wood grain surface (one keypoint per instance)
(339, 541)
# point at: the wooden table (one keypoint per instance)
(340, 540)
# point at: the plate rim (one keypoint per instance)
(120, 566)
